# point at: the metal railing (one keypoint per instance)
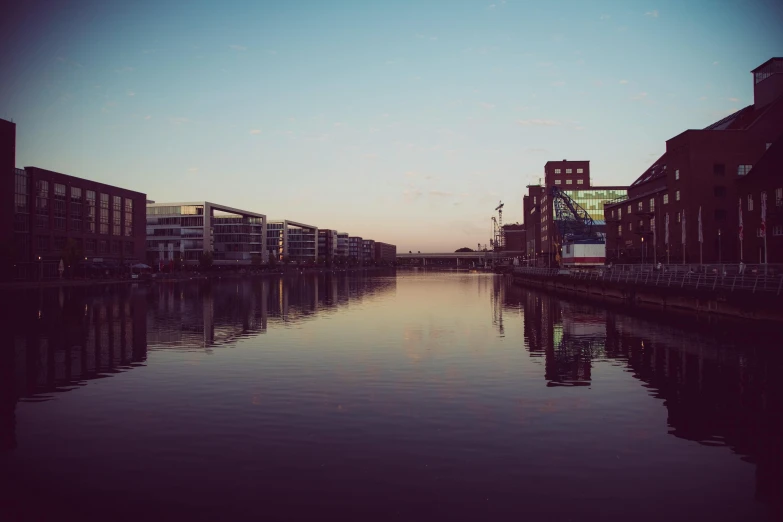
(725, 277)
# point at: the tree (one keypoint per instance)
(71, 255)
(272, 260)
(255, 260)
(206, 259)
(464, 249)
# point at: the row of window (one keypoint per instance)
(777, 230)
(47, 244)
(570, 171)
(569, 182)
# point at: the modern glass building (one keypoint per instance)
(294, 241)
(184, 231)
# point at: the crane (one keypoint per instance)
(500, 242)
(573, 222)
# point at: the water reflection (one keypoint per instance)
(719, 380)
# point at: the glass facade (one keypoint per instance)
(592, 200)
(104, 215)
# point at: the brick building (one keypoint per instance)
(766, 177)
(573, 178)
(699, 171)
(368, 250)
(385, 253)
(515, 237)
(531, 208)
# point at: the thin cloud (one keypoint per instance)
(734, 99)
(703, 98)
(179, 120)
(124, 70)
(536, 150)
(539, 122)
(255, 131)
(238, 47)
(640, 96)
(558, 83)
(488, 106)
(131, 93)
(623, 82)
(148, 117)
(271, 52)
(411, 195)
(652, 14)
(371, 155)
(604, 17)
(492, 6)
(193, 169)
(440, 193)
(715, 63)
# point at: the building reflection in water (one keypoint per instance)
(55, 340)
(719, 381)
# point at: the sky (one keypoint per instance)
(400, 121)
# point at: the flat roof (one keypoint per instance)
(204, 203)
(86, 179)
(289, 222)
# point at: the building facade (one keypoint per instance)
(385, 253)
(531, 208)
(7, 184)
(99, 223)
(699, 174)
(355, 250)
(515, 238)
(763, 186)
(183, 232)
(296, 242)
(342, 245)
(368, 250)
(573, 178)
(327, 245)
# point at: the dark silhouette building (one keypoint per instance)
(700, 171)
(43, 211)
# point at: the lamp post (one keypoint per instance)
(642, 250)
(40, 269)
(720, 251)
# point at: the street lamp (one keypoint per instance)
(642, 250)
(720, 252)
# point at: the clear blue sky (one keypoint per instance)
(402, 121)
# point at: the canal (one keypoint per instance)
(415, 396)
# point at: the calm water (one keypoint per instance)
(372, 397)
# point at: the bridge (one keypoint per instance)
(458, 258)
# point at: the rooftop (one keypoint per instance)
(655, 171)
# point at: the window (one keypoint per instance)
(115, 247)
(557, 171)
(620, 213)
(59, 243)
(91, 212)
(557, 182)
(677, 174)
(630, 227)
(116, 215)
(750, 202)
(569, 182)
(612, 213)
(104, 214)
(103, 247)
(677, 196)
(76, 209)
(665, 199)
(580, 171)
(768, 146)
(619, 230)
(720, 215)
(59, 207)
(129, 217)
(719, 169)
(128, 249)
(652, 224)
(580, 182)
(43, 244)
(89, 246)
(743, 169)
(42, 204)
(629, 209)
(779, 197)
(534, 200)
(568, 171)
(678, 217)
(719, 191)
(652, 204)
(640, 206)
(777, 230)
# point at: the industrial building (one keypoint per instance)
(185, 231)
(701, 174)
(44, 212)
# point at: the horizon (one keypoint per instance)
(405, 124)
